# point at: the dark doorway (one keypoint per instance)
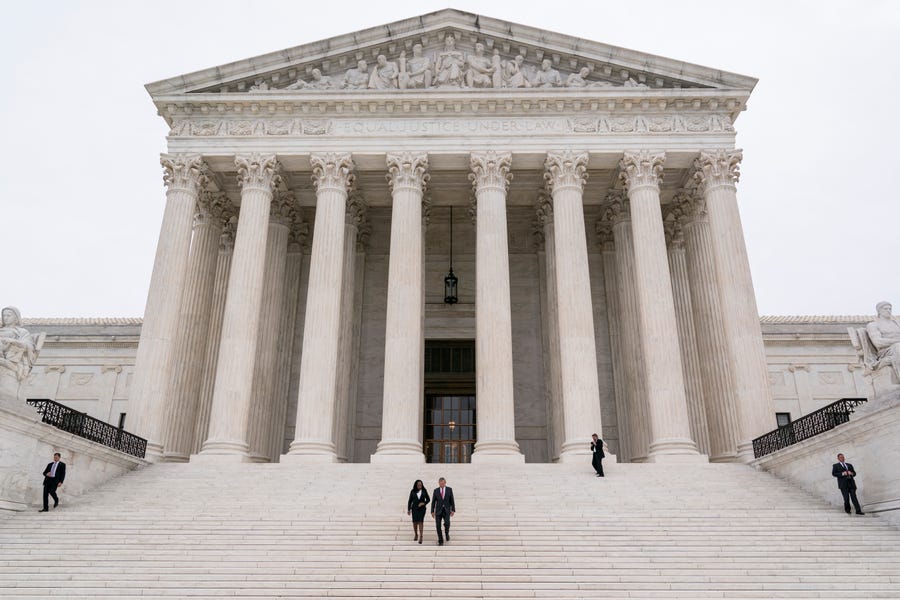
(450, 419)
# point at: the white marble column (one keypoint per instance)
(355, 218)
(214, 336)
(184, 176)
(566, 173)
(293, 268)
(718, 389)
(611, 286)
(636, 438)
(496, 430)
(181, 417)
(270, 325)
(550, 321)
(314, 438)
(670, 435)
(233, 393)
(404, 346)
(687, 337)
(717, 172)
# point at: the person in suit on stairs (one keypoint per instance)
(846, 473)
(54, 475)
(597, 454)
(442, 508)
(415, 506)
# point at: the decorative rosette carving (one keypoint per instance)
(186, 172)
(333, 170)
(718, 167)
(260, 171)
(566, 169)
(490, 170)
(407, 170)
(641, 169)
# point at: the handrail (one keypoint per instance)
(82, 425)
(807, 426)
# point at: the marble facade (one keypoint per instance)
(604, 279)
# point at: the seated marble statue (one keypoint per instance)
(384, 75)
(318, 82)
(884, 333)
(415, 72)
(18, 348)
(481, 69)
(631, 83)
(547, 76)
(450, 66)
(358, 78)
(514, 75)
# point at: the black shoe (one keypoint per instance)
(44, 510)
(859, 512)
(447, 536)
(440, 542)
(420, 541)
(55, 504)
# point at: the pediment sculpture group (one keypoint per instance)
(451, 68)
(18, 347)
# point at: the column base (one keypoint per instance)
(154, 452)
(745, 452)
(308, 452)
(676, 450)
(219, 451)
(259, 458)
(497, 452)
(398, 451)
(176, 457)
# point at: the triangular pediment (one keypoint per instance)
(449, 50)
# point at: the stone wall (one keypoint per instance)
(27, 445)
(868, 441)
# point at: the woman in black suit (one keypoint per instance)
(415, 506)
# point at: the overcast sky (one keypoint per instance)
(81, 186)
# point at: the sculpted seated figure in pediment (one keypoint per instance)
(18, 347)
(318, 82)
(384, 75)
(416, 72)
(358, 78)
(481, 69)
(547, 76)
(450, 65)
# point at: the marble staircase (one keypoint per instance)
(521, 531)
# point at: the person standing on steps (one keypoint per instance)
(54, 475)
(415, 506)
(597, 454)
(846, 474)
(442, 508)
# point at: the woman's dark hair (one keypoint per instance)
(418, 481)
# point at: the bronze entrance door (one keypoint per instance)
(449, 428)
(449, 421)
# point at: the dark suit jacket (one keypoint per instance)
(597, 448)
(60, 474)
(439, 505)
(413, 502)
(844, 482)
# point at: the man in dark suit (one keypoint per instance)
(442, 508)
(845, 474)
(54, 475)
(597, 454)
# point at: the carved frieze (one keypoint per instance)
(484, 126)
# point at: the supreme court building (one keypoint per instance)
(301, 306)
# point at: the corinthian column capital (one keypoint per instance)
(283, 208)
(490, 170)
(186, 172)
(543, 209)
(616, 208)
(566, 169)
(213, 208)
(332, 170)
(605, 237)
(690, 204)
(717, 168)
(641, 169)
(260, 171)
(672, 227)
(407, 170)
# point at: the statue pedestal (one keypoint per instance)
(9, 388)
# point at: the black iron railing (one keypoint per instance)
(806, 427)
(80, 424)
